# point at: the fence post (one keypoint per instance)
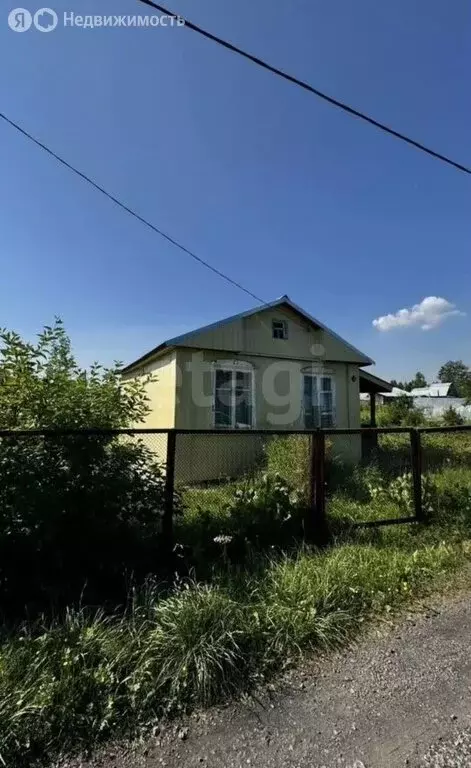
(416, 454)
(167, 518)
(317, 527)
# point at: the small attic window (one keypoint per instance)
(279, 329)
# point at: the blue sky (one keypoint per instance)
(280, 190)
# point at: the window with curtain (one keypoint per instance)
(233, 398)
(318, 401)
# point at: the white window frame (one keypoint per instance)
(319, 376)
(233, 366)
(284, 326)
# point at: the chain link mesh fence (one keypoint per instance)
(84, 507)
(368, 477)
(211, 467)
(446, 473)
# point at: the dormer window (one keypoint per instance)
(279, 329)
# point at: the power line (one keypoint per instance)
(311, 89)
(129, 210)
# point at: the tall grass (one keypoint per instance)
(68, 685)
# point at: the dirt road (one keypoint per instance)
(402, 697)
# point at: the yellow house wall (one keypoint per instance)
(209, 456)
(161, 392)
(191, 413)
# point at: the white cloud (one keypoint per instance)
(430, 313)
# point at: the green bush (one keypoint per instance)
(77, 511)
(400, 491)
(414, 418)
(451, 418)
(249, 516)
(399, 412)
(268, 511)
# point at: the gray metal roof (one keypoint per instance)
(437, 389)
(179, 341)
(396, 392)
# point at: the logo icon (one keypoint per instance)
(45, 20)
(19, 20)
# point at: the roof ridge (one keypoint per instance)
(179, 340)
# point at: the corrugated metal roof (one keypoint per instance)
(437, 389)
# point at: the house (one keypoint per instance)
(272, 367)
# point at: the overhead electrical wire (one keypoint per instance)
(307, 87)
(129, 210)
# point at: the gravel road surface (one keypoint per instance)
(400, 698)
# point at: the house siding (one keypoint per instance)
(229, 455)
(253, 334)
(161, 392)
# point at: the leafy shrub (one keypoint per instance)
(414, 418)
(267, 511)
(399, 412)
(257, 515)
(451, 418)
(400, 491)
(75, 511)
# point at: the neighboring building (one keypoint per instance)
(385, 397)
(437, 389)
(434, 399)
(273, 367)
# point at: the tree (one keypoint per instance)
(399, 384)
(75, 510)
(418, 381)
(458, 374)
(42, 386)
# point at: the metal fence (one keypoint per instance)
(340, 477)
